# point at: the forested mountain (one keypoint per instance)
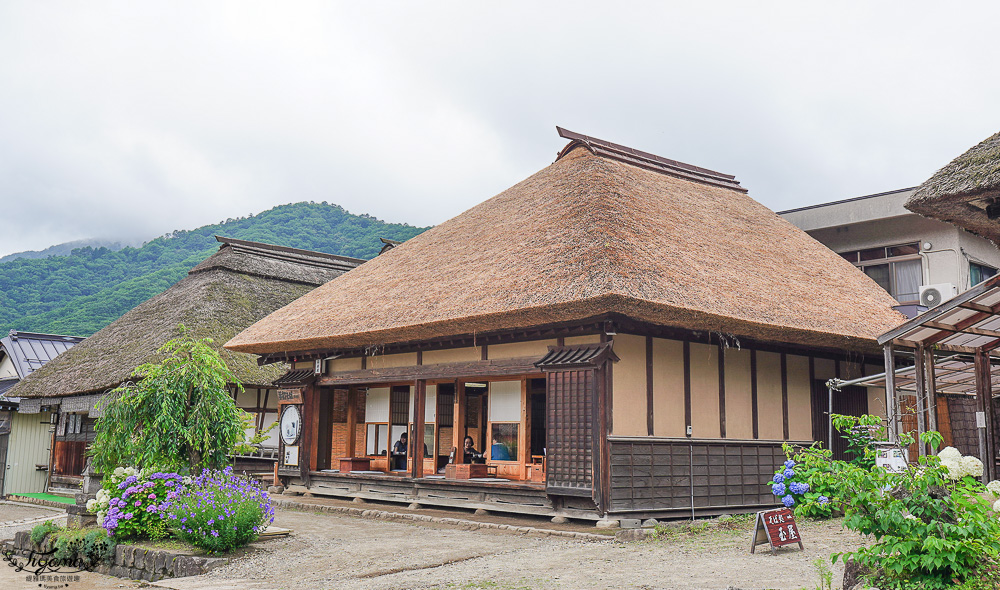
(67, 248)
(81, 293)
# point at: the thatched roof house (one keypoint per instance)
(231, 289)
(238, 285)
(614, 318)
(966, 192)
(602, 230)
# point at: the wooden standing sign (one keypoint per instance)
(776, 528)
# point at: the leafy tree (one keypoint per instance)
(177, 413)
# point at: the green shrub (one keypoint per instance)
(928, 530)
(40, 531)
(812, 488)
(67, 544)
(860, 432)
(98, 547)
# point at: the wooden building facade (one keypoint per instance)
(620, 335)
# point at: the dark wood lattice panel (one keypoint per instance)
(570, 409)
(660, 475)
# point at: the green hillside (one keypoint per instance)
(81, 293)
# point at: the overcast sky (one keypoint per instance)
(124, 120)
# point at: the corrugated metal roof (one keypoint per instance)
(962, 324)
(29, 351)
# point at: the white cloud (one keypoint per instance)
(133, 119)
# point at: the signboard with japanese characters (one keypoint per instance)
(890, 458)
(776, 528)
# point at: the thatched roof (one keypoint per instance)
(959, 192)
(238, 285)
(592, 234)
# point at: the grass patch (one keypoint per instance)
(49, 497)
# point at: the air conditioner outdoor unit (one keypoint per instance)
(934, 295)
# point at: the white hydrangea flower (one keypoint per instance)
(949, 453)
(131, 471)
(102, 495)
(971, 466)
(953, 466)
(119, 473)
(101, 516)
(994, 488)
(996, 506)
(91, 504)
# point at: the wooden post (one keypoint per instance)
(931, 381)
(890, 390)
(458, 423)
(920, 373)
(982, 387)
(352, 420)
(523, 438)
(417, 438)
(985, 377)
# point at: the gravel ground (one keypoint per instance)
(332, 551)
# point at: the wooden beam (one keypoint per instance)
(943, 347)
(722, 390)
(977, 307)
(458, 423)
(687, 384)
(417, 438)
(931, 384)
(920, 375)
(966, 330)
(983, 389)
(753, 394)
(352, 420)
(444, 371)
(784, 396)
(649, 385)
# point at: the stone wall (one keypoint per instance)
(131, 562)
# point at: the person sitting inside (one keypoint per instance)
(399, 453)
(500, 452)
(471, 454)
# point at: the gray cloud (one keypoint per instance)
(129, 120)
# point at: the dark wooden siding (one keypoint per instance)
(851, 401)
(665, 474)
(570, 411)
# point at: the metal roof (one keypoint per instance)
(961, 324)
(29, 351)
(954, 374)
(295, 377)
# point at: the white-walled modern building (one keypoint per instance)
(903, 252)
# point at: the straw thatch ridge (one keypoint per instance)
(585, 236)
(235, 287)
(959, 192)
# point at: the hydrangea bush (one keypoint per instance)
(806, 482)
(220, 511)
(932, 525)
(133, 503)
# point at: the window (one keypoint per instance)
(504, 442)
(980, 272)
(897, 269)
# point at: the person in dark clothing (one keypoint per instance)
(471, 454)
(399, 452)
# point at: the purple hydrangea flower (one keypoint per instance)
(788, 501)
(789, 464)
(778, 489)
(822, 500)
(778, 478)
(789, 474)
